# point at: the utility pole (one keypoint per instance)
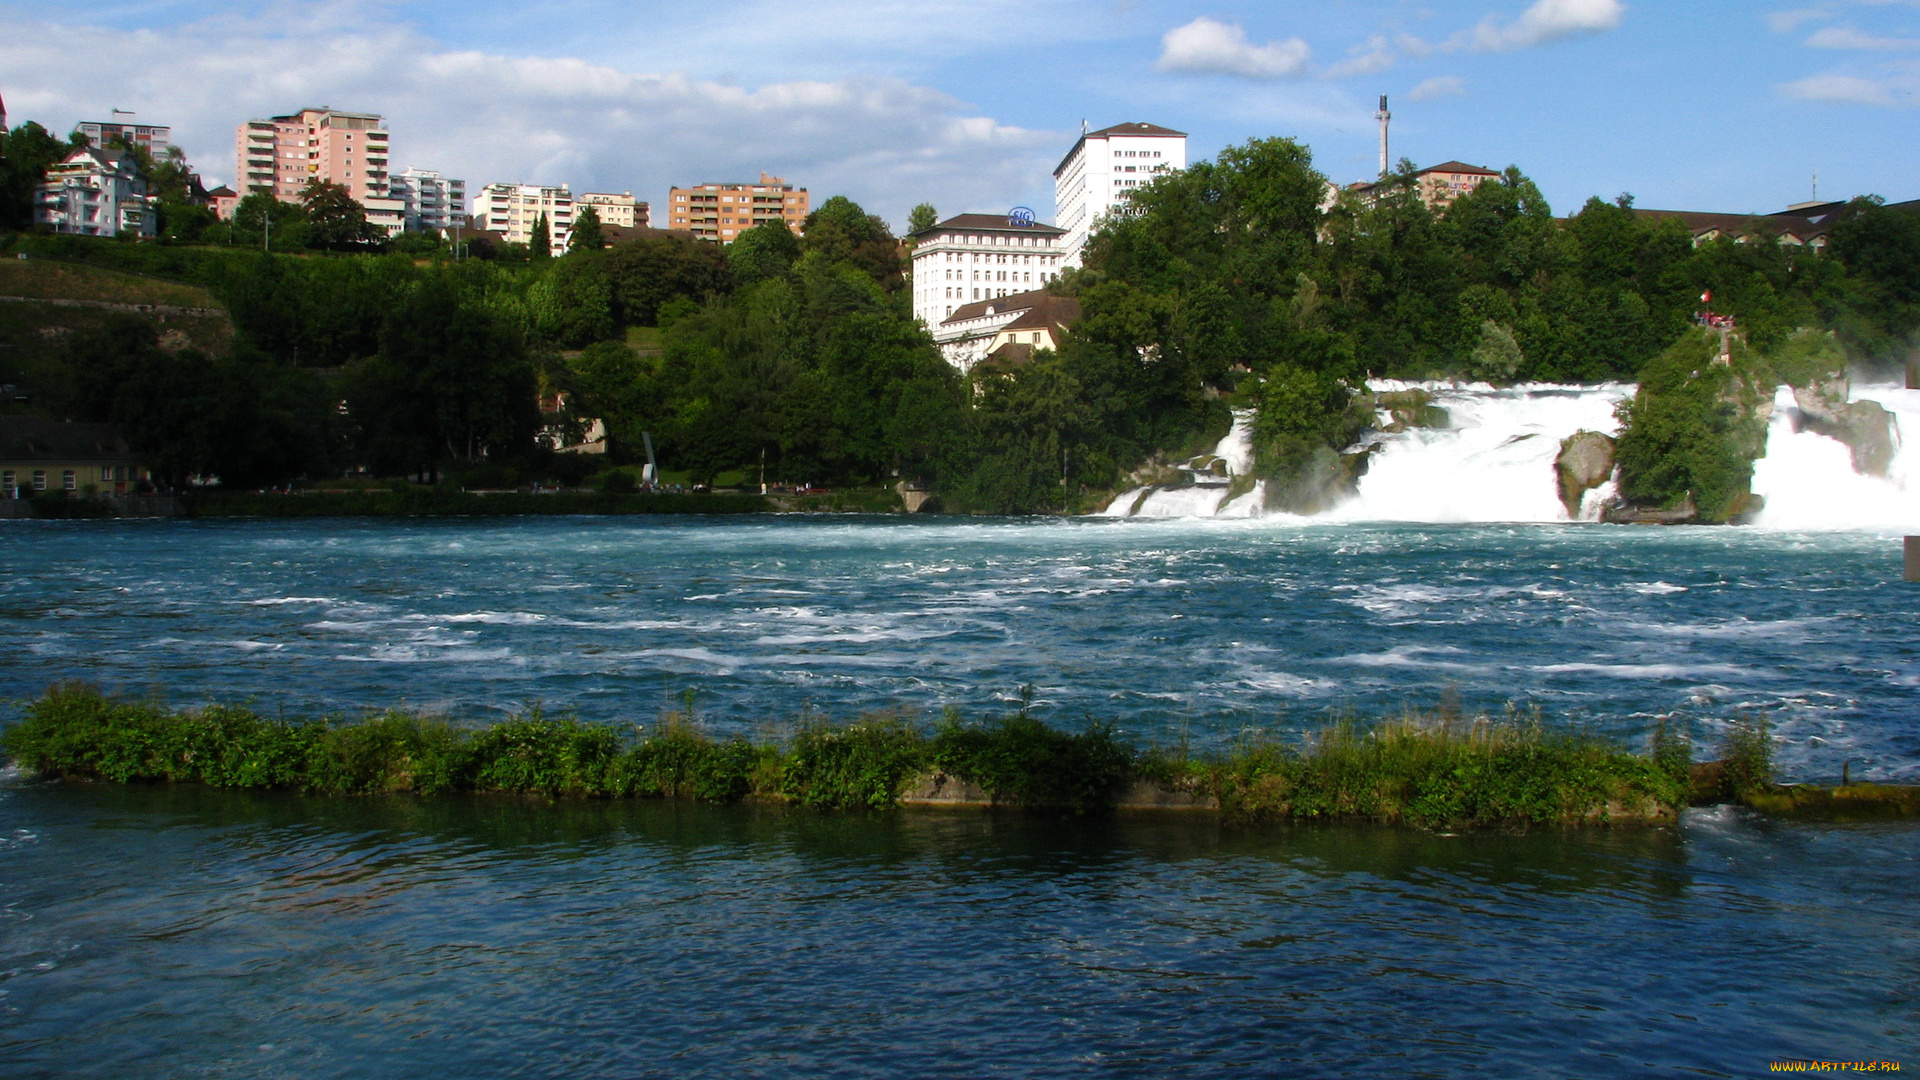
(266, 234)
(1383, 116)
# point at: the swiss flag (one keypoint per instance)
(1707, 297)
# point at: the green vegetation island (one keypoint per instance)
(1439, 769)
(419, 365)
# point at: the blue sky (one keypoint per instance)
(1706, 105)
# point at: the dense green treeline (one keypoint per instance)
(1432, 770)
(1242, 281)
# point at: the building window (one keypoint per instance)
(7, 480)
(106, 472)
(39, 479)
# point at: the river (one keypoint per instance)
(166, 932)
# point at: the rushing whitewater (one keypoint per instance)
(1494, 462)
(1808, 478)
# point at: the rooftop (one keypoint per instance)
(1037, 309)
(989, 223)
(30, 438)
(1132, 127)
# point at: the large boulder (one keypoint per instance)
(1409, 409)
(1585, 462)
(1320, 482)
(1864, 426)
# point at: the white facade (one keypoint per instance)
(96, 193)
(511, 209)
(1102, 169)
(622, 209)
(430, 201)
(973, 257)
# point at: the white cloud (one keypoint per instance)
(1548, 20)
(1368, 59)
(1438, 87)
(1846, 37)
(1786, 22)
(484, 117)
(1840, 89)
(1210, 47)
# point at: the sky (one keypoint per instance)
(1701, 105)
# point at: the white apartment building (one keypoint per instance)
(972, 257)
(622, 209)
(430, 201)
(1094, 179)
(510, 209)
(155, 139)
(96, 193)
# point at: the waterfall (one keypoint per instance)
(1809, 482)
(1209, 489)
(1494, 462)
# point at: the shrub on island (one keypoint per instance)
(1420, 770)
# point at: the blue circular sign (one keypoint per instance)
(1019, 216)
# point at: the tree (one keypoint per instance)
(335, 219)
(586, 234)
(264, 220)
(766, 250)
(921, 218)
(26, 152)
(541, 244)
(841, 230)
(449, 383)
(652, 270)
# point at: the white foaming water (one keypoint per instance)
(1809, 482)
(1494, 460)
(1209, 497)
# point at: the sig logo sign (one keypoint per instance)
(1019, 217)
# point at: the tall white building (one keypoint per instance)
(1102, 168)
(622, 209)
(511, 209)
(430, 201)
(972, 257)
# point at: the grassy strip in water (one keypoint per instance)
(1418, 771)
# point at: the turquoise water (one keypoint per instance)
(154, 931)
(1174, 629)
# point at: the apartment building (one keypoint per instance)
(512, 209)
(155, 139)
(280, 154)
(430, 201)
(724, 211)
(613, 209)
(1096, 177)
(971, 257)
(96, 192)
(1437, 186)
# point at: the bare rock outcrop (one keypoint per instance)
(1585, 462)
(1864, 426)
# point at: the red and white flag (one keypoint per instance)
(1707, 297)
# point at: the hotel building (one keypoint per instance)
(972, 257)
